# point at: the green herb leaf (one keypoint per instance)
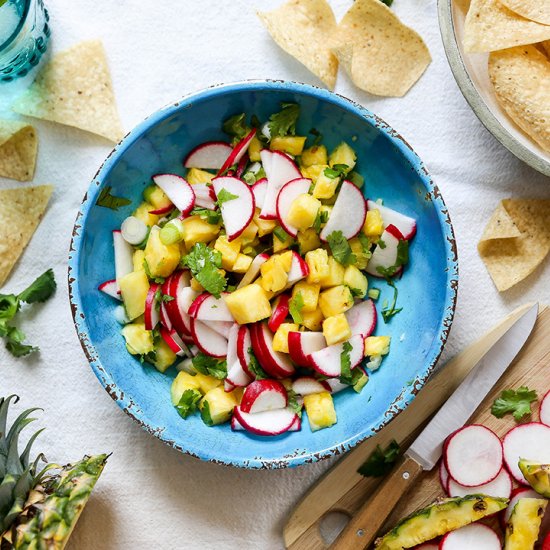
(281, 234)
(293, 402)
(213, 217)
(295, 306)
(381, 461)
(337, 171)
(188, 403)
(346, 376)
(210, 365)
(322, 217)
(225, 196)
(205, 414)
(283, 123)
(389, 311)
(387, 2)
(254, 366)
(340, 248)
(518, 402)
(40, 290)
(107, 200)
(204, 263)
(365, 243)
(158, 280)
(236, 126)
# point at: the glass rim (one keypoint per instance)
(4, 45)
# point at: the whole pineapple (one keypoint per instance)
(39, 503)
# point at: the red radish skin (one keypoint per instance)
(228, 387)
(237, 377)
(348, 213)
(476, 536)
(242, 165)
(259, 189)
(161, 211)
(544, 410)
(532, 441)
(207, 307)
(266, 423)
(302, 344)
(362, 318)
(443, 477)
(385, 257)
(546, 543)
(207, 340)
(288, 193)
(473, 455)
(295, 427)
(307, 385)
(298, 270)
(175, 343)
(264, 395)
(274, 363)
(501, 486)
(405, 224)
(164, 318)
(124, 252)
(244, 344)
(209, 156)
(253, 270)
(174, 286)
(111, 289)
(151, 315)
(327, 360)
(238, 151)
(204, 196)
(280, 313)
(177, 190)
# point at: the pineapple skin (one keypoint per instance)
(537, 475)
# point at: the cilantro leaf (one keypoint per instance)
(225, 196)
(283, 123)
(107, 200)
(188, 403)
(518, 402)
(204, 263)
(381, 461)
(40, 290)
(346, 376)
(295, 306)
(389, 311)
(210, 365)
(337, 171)
(365, 243)
(254, 366)
(236, 126)
(213, 217)
(293, 403)
(205, 414)
(340, 248)
(322, 217)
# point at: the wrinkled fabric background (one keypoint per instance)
(150, 496)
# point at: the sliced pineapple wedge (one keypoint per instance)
(522, 530)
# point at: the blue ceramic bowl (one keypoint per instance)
(392, 171)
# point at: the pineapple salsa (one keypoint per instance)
(252, 269)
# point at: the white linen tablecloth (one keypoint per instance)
(151, 496)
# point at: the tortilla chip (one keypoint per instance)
(387, 57)
(535, 10)
(521, 79)
(18, 147)
(20, 213)
(546, 47)
(509, 257)
(301, 28)
(75, 89)
(491, 26)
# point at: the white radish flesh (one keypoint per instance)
(306, 385)
(268, 422)
(124, 253)
(544, 411)
(178, 191)
(474, 536)
(287, 195)
(362, 318)
(208, 341)
(133, 230)
(259, 189)
(328, 360)
(501, 486)
(406, 225)
(385, 257)
(111, 289)
(253, 270)
(210, 155)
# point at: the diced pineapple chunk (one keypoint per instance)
(314, 155)
(161, 259)
(336, 329)
(229, 251)
(264, 226)
(137, 260)
(335, 274)
(356, 281)
(268, 293)
(279, 245)
(373, 226)
(249, 233)
(361, 256)
(195, 285)
(155, 196)
(308, 240)
(343, 154)
(286, 260)
(254, 149)
(164, 356)
(242, 263)
(274, 275)
(320, 410)
(206, 382)
(294, 145)
(195, 175)
(142, 213)
(183, 382)
(325, 187)
(138, 340)
(280, 340)
(317, 261)
(134, 288)
(196, 230)
(248, 304)
(312, 172)
(309, 293)
(335, 300)
(303, 211)
(312, 319)
(377, 345)
(216, 406)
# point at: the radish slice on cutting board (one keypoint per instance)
(210, 155)
(530, 441)
(475, 536)
(544, 411)
(473, 455)
(443, 476)
(501, 486)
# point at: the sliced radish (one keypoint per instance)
(443, 476)
(161, 211)
(362, 318)
(544, 411)
(530, 441)
(266, 423)
(328, 360)
(520, 492)
(151, 315)
(387, 256)
(175, 343)
(242, 165)
(111, 289)
(237, 376)
(204, 196)
(274, 363)
(298, 269)
(306, 385)
(124, 253)
(177, 287)
(238, 151)
(295, 427)
(210, 155)
(208, 340)
(280, 312)
(228, 386)
(476, 536)
(221, 327)
(232, 345)
(302, 344)
(164, 317)
(207, 307)
(177, 190)
(501, 486)
(244, 345)
(264, 395)
(254, 269)
(280, 169)
(335, 385)
(237, 213)
(133, 230)
(348, 213)
(406, 225)
(473, 455)
(260, 189)
(288, 193)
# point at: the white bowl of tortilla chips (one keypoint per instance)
(499, 52)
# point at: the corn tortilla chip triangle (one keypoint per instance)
(75, 89)
(510, 260)
(546, 47)
(18, 148)
(20, 213)
(500, 226)
(301, 28)
(492, 26)
(536, 10)
(387, 57)
(521, 80)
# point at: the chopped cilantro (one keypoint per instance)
(381, 461)
(322, 217)
(236, 126)
(518, 402)
(356, 292)
(389, 311)
(293, 403)
(281, 234)
(295, 306)
(188, 403)
(346, 376)
(204, 263)
(107, 200)
(381, 243)
(225, 196)
(365, 243)
(205, 414)
(283, 123)
(213, 217)
(158, 280)
(340, 248)
(254, 366)
(337, 171)
(210, 365)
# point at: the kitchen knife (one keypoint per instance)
(424, 453)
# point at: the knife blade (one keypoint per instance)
(426, 449)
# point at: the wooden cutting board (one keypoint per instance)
(342, 489)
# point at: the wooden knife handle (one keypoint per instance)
(361, 531)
